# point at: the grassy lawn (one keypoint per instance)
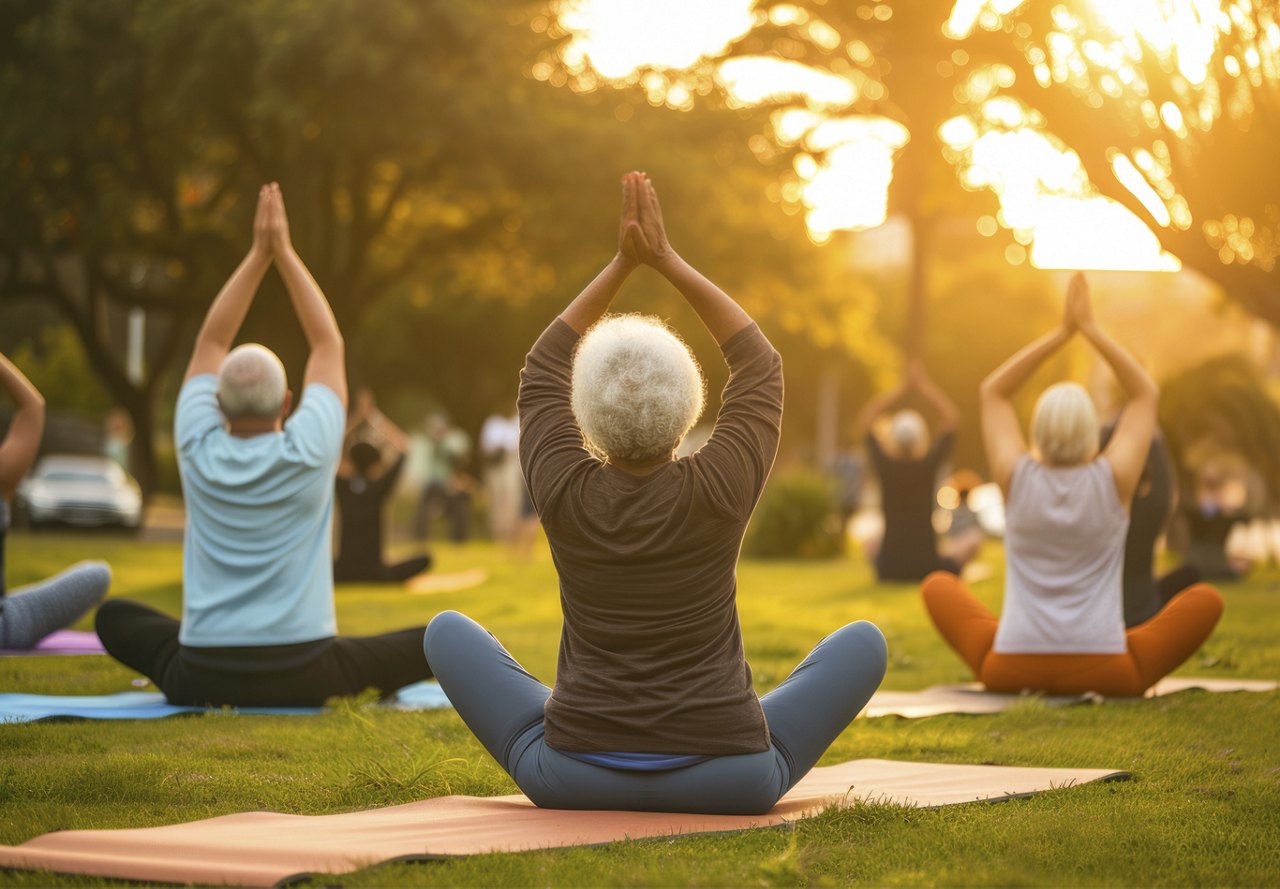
(1203, 808)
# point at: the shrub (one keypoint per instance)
(795, 519)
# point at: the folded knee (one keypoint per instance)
(441, 628)
(868, 644)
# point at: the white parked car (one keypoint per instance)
(85, 491)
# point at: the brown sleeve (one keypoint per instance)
(736, 460)
(550, 440)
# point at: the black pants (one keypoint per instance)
(344, 572)
(302, 675)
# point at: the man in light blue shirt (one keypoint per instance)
(258, 625)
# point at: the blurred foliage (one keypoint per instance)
(1180, 93)
(56, 365)
(795, 519)
(448, 203)
(1222, 404)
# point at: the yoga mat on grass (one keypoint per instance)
(973, 699)
(152, 705)
(60, 642)
(266, 848)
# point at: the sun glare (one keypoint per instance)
(621, 36)
(842, 175)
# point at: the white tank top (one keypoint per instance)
(1064, 547)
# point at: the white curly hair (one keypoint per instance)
(637, 389)
(251, 383)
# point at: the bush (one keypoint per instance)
(795, 519)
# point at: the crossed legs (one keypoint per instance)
(1155, 648)
(502, 705)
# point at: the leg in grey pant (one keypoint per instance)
(502, 705)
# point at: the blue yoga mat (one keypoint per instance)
(152, 705)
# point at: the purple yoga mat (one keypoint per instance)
(61, 642)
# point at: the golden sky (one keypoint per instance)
(1046, 201)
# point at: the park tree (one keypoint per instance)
(444, 198)
(1164, 106)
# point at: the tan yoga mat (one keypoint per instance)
(264, 848)
(973, 699)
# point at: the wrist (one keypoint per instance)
(667, 262)
(624, 262)
(260, 253)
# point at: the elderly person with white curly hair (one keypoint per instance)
(1067, 508)
(258, 626)
(653, 707)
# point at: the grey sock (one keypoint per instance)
(29, 614)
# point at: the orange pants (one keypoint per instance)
(1156, 647)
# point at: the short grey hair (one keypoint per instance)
(637, 389)
(251, 383)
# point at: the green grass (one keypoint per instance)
(1203, 808)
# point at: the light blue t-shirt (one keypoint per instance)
(257, 554)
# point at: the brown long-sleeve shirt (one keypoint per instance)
(651, 656)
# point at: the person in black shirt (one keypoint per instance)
(362, 488)
(908, 469)
(1144, 593)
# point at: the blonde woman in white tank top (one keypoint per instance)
(1067, 509)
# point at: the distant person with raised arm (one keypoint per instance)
(30, 613)
(364, 483)
(1062, 629)
(908, 467)
(653, 707)
(258, 625)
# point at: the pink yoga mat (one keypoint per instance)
(265, 848)
(61, 642)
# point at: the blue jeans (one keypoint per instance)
(502, 704)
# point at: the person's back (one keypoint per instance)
(258, 625)
(908, 487)
(648, 575)
(1064, 545)
(653, 707)
(257, 551)
(1067, 516)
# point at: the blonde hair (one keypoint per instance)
(1064, 427)
(636, 390)
(251, 383)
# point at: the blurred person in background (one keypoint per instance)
(908, 467)
(30, 613)
(446, 487)
(366, 478)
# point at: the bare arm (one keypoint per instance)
(18, 450)
(390, 431)
(1001, 432)
(594, 300)
(722, 316)
(948, 413)
(232, 303)
(1131, 442)
(878, 405)
(327, 364)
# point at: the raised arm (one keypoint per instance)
(1001, 432)
(18, 450)
(590, 305)
(1131, 443)
(230, 306)
(327, 364)
(948, 413)
(871, 411)
(722, 316)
